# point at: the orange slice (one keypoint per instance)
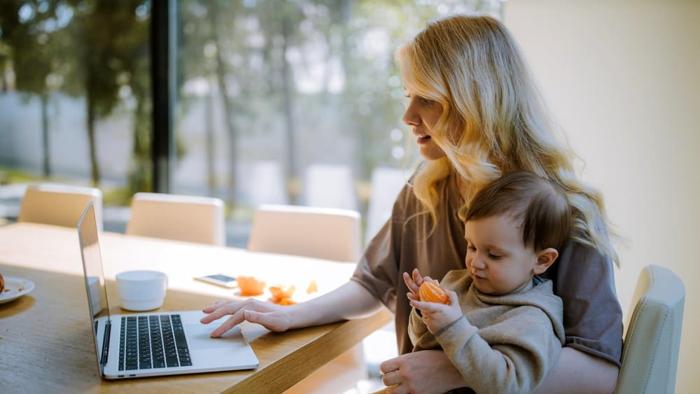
(250, 286)
(430, 291)
(313, 287)
(279, 293)
(285, 301)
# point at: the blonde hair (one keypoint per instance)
(493, 120)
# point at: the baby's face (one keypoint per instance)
(497, 258)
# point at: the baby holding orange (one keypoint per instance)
(505, 330)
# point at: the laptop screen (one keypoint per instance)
(94, 275)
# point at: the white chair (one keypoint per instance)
(266, 184)
(324, 233)
(59, 205)
(332, 234)
(329, 186)
(176, 217)
(652, 340)
(386, 185)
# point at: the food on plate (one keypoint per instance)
(313, 287)
(281, 295)
(250, 286)
(431, 291)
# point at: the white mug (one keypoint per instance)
(141, 290)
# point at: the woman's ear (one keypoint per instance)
(545, 258)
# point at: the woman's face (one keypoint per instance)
(422, 115)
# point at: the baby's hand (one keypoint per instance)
(435, 315)
(413, 283)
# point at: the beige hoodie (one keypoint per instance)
(502, 344)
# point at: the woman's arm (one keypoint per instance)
(349, 301)
(425, 372)
(578, 372)
(430, 371)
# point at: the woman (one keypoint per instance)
(475, 114)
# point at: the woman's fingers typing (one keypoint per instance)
(231, 322)
(272, 317)
(219, 310)
(211, 308)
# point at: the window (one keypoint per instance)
(75, 99)
(295, 101)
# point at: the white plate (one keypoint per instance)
(15, 287)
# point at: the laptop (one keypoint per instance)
(151, 344)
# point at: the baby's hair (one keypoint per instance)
(540, 208)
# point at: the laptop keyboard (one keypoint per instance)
(156, 341)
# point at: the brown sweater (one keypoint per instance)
(502, 344)
(582, 277)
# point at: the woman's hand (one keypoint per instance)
(271, 316)
(436, 315)
(426, 371)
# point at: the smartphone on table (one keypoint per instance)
(219, 280)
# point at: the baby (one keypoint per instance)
(504, 331)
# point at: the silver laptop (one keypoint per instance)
(151, 344)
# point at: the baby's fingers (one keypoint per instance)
(454, 299)
(410, 284)
(417, 277)
(429, 307)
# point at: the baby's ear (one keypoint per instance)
(545, 258)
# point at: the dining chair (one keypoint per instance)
(329, 186)
(177, 217)
(323, 233)
(386, 185)
(266, 184)
(58, 204)
(652, 340)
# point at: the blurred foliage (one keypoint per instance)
(13, 175)
(299, 72)
(97, 50)
(118, 196)
(308, 77)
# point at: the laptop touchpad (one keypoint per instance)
(199, 336)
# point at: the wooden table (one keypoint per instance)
(45, 343)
